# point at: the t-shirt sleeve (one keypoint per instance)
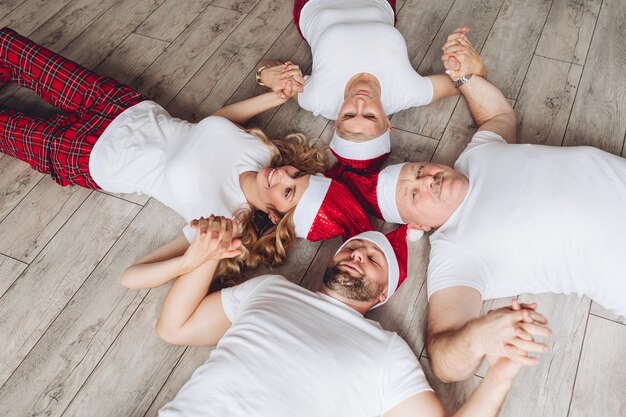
(307, 99)
(190, 233)
(483, 137)
(423, 91)
(403, 376)
(234, 297)
(451, 266)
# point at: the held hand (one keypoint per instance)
(510, 332)
(214, 241)
(459, 56)
(504, 369)
(292, 81)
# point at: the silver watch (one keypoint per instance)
(460, 81)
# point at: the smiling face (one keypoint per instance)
(280, 189)
(362, 116)
(359, 272)
(428, 194)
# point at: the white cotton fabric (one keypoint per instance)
(348, 37)
(292, 352)
(361, 151)
(192, 168)
(386, 193)
(536, 219)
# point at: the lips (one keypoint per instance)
(349, 267)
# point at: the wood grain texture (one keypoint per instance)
(600, 311)
(178, 16)
(53, 278)
(30, 14)
(37, 218)
(568, 30)
(58, 365)
(511, 43)
(243, 6)
(162, 81)
(7, 6)
(601, 378)
(597, 118)
(17, 178)
(546, 100)
(10, 269)
(431, 120)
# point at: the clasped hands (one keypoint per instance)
(459, 56)
(215, 240)
(508, 335)
(285, 80)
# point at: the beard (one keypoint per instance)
(353, 287)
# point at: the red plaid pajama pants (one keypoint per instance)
(299, 4)
(60, 145)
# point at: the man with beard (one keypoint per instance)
(283, 350)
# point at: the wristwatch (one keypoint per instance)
(258, 75)
(460, 81)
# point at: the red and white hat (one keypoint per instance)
(328, 209)
(365, 156)
(394, 247)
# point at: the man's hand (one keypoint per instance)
(214, 241)
(510, 332)
(459, 56)
(285, 80)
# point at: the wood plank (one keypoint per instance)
(568, 30)
(431, 120)
(512, 41)
(600, 311)
(30, 14)
(109, 30)
(64, 26)
(601, 378)
(58, 365)
(7, 6)
(10, 269)
(193, 358)
(242, 6)
(26, 101)
(162, 80)
(597, 118)
(546, 100)
(37, 218)
(138, 348)
(53, 278)
(17, 178)
(545, 390)
(222, 74)
(178, 16)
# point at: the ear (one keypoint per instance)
(334, 126)
(383, 296)
(415, 226)
(387, 124)
(273, 217)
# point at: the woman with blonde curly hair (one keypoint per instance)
(112, 138)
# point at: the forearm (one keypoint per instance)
(485, 100)
(487, 399)
(153, 274)
(184, 297)
(443, 87)
(455, 355)
(243, 111)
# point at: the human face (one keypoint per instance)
(361, 116)
(359, 272)
(427, 194)
(280, 189)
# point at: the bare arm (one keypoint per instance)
(190, 316)
(458, 338)
(245, 110)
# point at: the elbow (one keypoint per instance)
(167, 334)
(438, 365)
(127, 278)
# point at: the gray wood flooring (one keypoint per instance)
(76, 343)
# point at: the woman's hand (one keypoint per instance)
(214, 241)
(459, 56)
(285, 80)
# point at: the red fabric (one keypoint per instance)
(397, 238)
(59, 145)
(339, 215)
(299, 4)
(363, 187)
(366, 166)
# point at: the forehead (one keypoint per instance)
(370, 247)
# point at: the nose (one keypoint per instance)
(358, 255)
(282, 176)
(427, 182)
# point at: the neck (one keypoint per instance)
(247, 182)
(360, 306)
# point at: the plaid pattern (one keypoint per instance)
(299, 4)
(58, 145)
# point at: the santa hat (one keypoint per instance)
(367, 156)
(394, 247)
(328, 209)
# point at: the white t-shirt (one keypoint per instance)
(192, 168)
(348, 37)
(536, 219)
(292, 352)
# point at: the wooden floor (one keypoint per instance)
(75, 343)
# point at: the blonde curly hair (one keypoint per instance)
(264, 242)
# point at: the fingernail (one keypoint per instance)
(448, 72)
